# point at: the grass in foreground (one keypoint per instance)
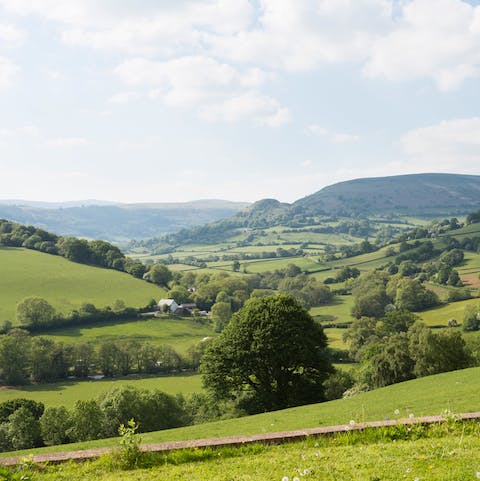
(65, 284)
(457, 391)
(443, 452)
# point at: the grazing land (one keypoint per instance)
(68, 392)
(65, 284)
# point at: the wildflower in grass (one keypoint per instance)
(409, 470)
(396, 412)
(285, 478)
(478, 474)
(296, 479)
(352, 422)
(411, 415)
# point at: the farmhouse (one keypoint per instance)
(170, 303)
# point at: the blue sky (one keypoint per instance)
(235, 99)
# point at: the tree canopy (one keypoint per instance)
(271, 355)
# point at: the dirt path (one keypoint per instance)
(269, 438)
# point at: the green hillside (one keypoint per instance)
(65, 284)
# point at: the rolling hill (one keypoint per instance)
(415, 195)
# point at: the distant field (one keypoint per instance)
(335, 337)
(67, 392)
(305, 263)
(66, 285)
(178, 333)
(340, 309)
(457, 391)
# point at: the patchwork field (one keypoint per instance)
(66, 285)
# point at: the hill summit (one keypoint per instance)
(414, 194)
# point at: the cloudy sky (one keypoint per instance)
(173, 100)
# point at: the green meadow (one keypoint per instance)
(457, 391)
(439, 316)
(67, 392)
(435, 455)
(65, 284)
(180, 333)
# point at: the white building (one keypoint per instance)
(172, 305)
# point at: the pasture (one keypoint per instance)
(65, 284)
(180, 333)
(67, 392)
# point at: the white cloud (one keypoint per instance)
(139, 28)
(300, 35)
(11, 36)
(123, 97)
(335, 137)
(451, 145)
(66, 142)
(219, 92)
(432, 39)
(8, 72)
(55, 75)
(251, 106)
(28, 130)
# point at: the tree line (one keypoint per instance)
(25, 358)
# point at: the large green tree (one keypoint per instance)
(271, 355)
(34, 311)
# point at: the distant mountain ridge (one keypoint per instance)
(115, 221)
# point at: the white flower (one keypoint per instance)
(296, 479)
(478, 474)
(285, 478)
(352, 422)
(397, 411)
(411, 416)
(409, 470)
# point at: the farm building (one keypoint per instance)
(170, 303)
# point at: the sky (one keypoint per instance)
(176, 100)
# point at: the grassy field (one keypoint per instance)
(335, 338)
(457, 391)
(66, 393)
(66, 285)
(339, 310)
(440, 456)
(439, 316)
(178, 333)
